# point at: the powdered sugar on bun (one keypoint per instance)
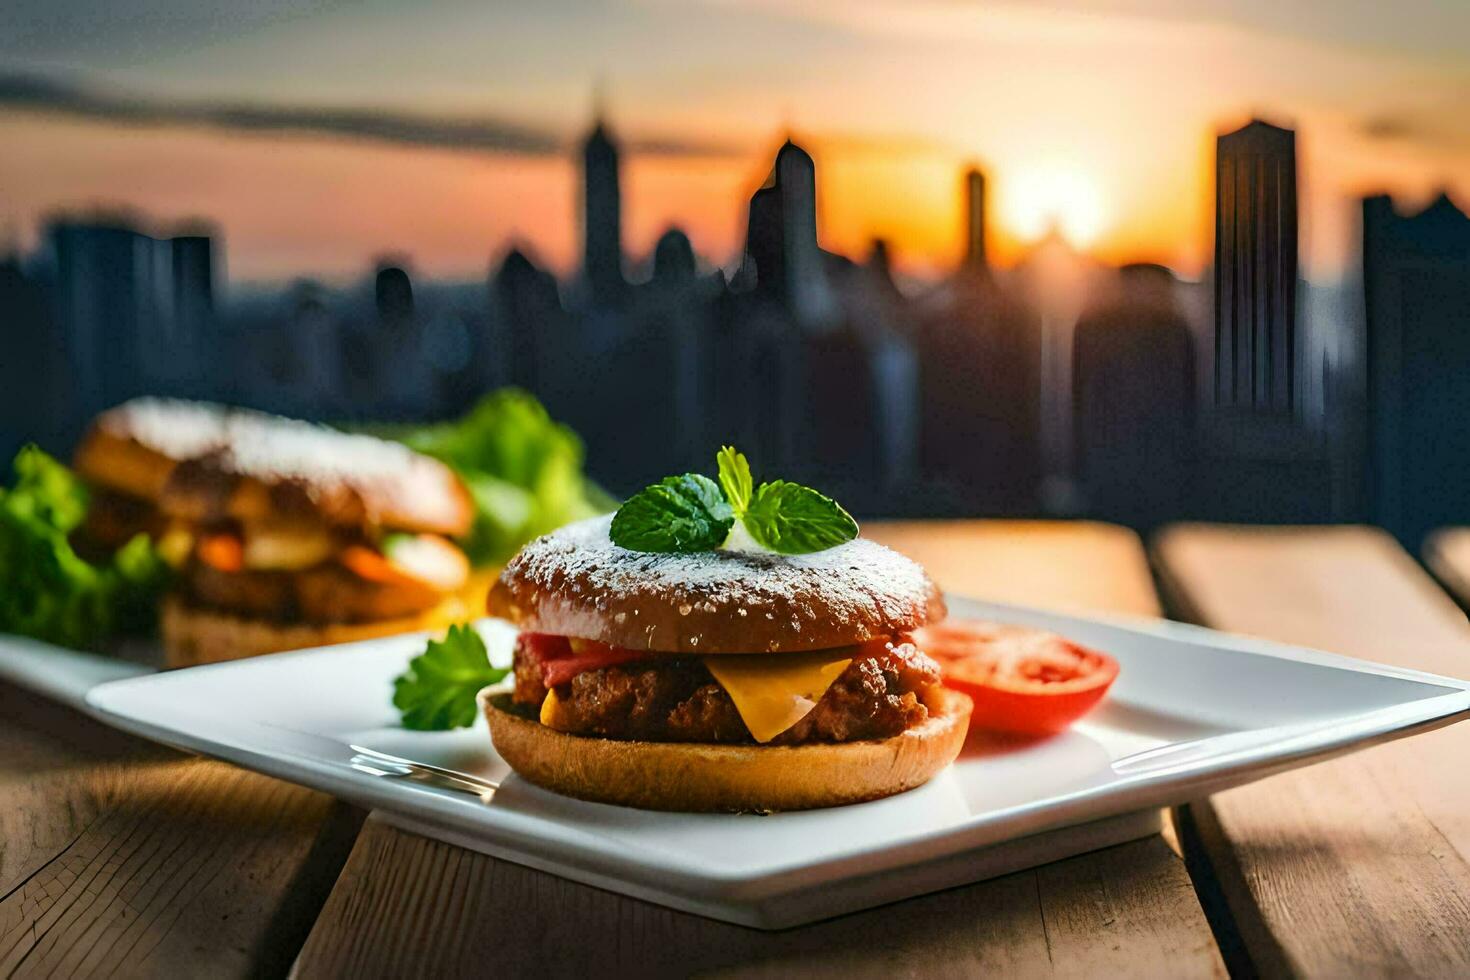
(264, 467)
(176, 429)
(576, 582)
(133, 447)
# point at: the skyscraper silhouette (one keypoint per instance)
(602, 218)
(1416, 278)
(115, 294)
(1133, 400)
(673, 258)
(781, 238)
(528, 315)
(1256, 269)
(192, 264)
(34, 402)
(975, 255)
(393, 294)
(134, 311)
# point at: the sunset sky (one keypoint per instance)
(320, 135)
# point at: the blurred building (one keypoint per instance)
(826, 380)
(134, 311)
(684, 310)
(1264, 447)
(192, 273)
(1256, 269)
(105, 300)
(979, 352)
(976, 256)
(1416, 277)
(527, 310)
(602, 219)
(1133, 373)
(782, 258)
(35, 401)
(1054, 284)
(385, 369)
(863, 382)
(1060, 386)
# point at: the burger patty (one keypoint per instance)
(326, 593)
(113, 519)
(879, 695)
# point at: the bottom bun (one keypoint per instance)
(193, 635)
(703, 777)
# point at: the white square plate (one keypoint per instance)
(1193, 712)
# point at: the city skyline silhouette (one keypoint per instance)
(1045, 388)
(320, 141)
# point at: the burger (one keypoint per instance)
(286, 534)
(727, 679)
(127, 457)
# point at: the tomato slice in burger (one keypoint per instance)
(1022, 680)
(222, 551)
(562, 658)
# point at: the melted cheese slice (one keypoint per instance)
(285, 547)
(774, 692)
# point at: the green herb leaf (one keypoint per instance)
(735, 478)
(438, 689)
(677, 515)
(794, 520)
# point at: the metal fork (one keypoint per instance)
(375, 763)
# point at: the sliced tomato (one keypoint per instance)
(1022, 680)
(224, 552)
(368, 564)
(561, 658)
(423, 562)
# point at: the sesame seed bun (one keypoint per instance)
(279, 469)
(202, 462)
(576, 582)
(133, 448)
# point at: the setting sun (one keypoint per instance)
(1052, 196)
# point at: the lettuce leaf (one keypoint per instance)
(523, 470)
(47, 590)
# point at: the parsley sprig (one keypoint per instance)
(438, 689)
(691, 513)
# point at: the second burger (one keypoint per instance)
(305, 536)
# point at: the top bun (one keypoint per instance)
(269, 468)
(134, 447)
(576, 582)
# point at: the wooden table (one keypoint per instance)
(1447, 553)
(117, 857)
(1360, 866)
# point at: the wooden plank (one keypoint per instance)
(1078, 566)
(1359, 866)
(122, 858)
(1447, 553)
(405, 904)
(409, 905)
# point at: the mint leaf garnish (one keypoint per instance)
(735, 478)
(794, 520)
(677, 515)
(690, 513)
(438, 689)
